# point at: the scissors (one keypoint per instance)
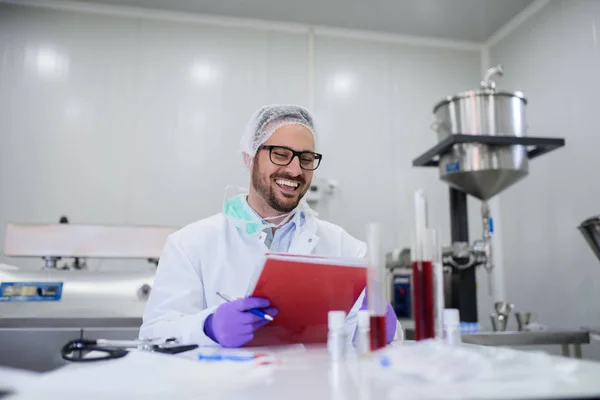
(76, 350)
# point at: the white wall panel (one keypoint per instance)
(197, 88)
(554, 59)
(130, 121)
(375, 102)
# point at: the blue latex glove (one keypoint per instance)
(232, 326)
(390, 319)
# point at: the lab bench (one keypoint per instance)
(304, 372)
(563, 338)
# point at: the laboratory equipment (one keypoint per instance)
(503, 308)
(451, 323)
(501, 316)
(363, 344)
(375, 288)
(423, 275)
(482, 149)
(402, 294)
(336, 337)
(438, 282)
(49, 306)
(79, 350)
(319, 189)
(523, 319)
(399, 270)
(590, 229)
(499, 322)
(564, 338)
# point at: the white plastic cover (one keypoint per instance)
(431, 369)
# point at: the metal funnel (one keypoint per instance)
(590, 229)
(484, 184)
(484, 171)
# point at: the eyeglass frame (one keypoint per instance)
(318, 156)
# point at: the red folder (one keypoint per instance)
(304, 289)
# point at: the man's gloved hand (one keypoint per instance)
(232, 326)
(390, 319)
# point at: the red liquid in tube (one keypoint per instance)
(423, 299)
(377, 333)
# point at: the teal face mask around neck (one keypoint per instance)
(238, 211)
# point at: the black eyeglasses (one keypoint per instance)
(282, 156)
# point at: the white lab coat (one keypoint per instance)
(213, 255)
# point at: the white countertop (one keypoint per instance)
(304, 373)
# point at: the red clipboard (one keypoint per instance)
(304, 289)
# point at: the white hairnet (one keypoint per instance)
(266, 120)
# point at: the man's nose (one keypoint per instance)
(294, 167)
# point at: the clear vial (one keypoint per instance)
(362, 340)
(336, 338)
(451, 320)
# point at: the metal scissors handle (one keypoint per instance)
(76, 350)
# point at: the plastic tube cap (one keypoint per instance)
(364, 319)
(451, 317)
(336, 319)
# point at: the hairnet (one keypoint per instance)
(266, 120)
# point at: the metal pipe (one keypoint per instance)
(487, 242)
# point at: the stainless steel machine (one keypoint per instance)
(42, 309)
(482, 149)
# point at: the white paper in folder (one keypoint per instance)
(145, 375)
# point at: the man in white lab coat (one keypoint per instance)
(222, 252)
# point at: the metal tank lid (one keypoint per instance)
(487, 88)
(474, 93)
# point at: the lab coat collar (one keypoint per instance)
(305, 236)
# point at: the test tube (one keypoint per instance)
(438, 282)
(423, 276)
(375, 288)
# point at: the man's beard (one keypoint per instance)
(265, 190)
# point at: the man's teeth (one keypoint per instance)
(287, 183)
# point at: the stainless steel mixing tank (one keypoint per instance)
(482, 149)
(474, 168)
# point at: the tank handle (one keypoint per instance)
(487, 82)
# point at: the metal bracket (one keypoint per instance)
(541, 145)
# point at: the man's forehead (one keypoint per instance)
(296, 137)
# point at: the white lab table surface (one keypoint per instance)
(304, 373)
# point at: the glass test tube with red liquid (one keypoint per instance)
(376, 289)
(424, 284)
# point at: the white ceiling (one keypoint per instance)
(471, 20)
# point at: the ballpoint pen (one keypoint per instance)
(230, 357)
(254, 311)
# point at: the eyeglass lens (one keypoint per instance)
(282, 156)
